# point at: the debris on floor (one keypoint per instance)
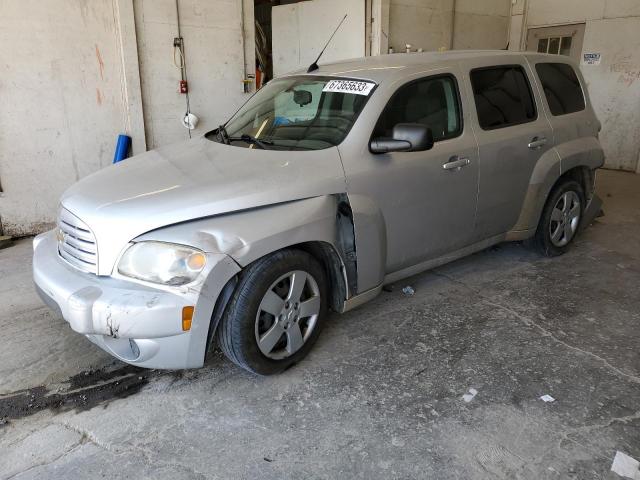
(408, 291)
(467, 397)
(82, 392)
(547, 398)
(626, 466)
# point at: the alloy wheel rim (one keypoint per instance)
(287, 314)
(565, 219)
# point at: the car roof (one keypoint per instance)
(388, 67)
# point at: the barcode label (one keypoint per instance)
(349, 86)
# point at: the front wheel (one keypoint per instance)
(276, 312)
(560, 219)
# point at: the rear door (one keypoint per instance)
(512, 132)
(565, 101)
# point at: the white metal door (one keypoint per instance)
(300, 30)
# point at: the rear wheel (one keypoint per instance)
(276, 312)
(560, 219)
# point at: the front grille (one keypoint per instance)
(76, 243)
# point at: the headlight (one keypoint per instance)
(160, 262)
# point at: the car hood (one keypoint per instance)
(191, 180)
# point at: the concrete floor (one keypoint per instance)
(381, 395)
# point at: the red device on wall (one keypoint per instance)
(184, 88)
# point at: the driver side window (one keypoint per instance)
(432, 101)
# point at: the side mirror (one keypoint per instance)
(407, 137)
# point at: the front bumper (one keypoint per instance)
(134, 322)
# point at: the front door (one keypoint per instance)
(428, 198)
(513, 133)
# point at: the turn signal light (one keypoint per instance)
(187, 316)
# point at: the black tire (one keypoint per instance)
(236, 334)
(542, 241)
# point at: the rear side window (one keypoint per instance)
(561, 87)
(503, 96)
(431, 101)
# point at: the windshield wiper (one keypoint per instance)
(249, 139)
(224, 136)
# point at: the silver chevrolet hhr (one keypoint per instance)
(321, 189)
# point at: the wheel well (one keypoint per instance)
(581, 174)
(324, 253)
(584, 176)
(218, 311)
(339, 262)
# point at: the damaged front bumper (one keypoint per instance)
(134, 322)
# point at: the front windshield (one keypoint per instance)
(297, 113)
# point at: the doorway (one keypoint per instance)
(291, 33)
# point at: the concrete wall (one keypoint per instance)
(71, 82)
(61, 91)
(379, 41)
(448, 24)
(213, 39)
(612, 29)
(481, 25)
(423, 24)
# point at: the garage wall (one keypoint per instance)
(611, 29)
(481, 25)
(423, 24)
(430, 24)
(213, 38)
(70, 82)
(61, 91)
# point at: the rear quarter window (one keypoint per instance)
(561, 87)
(502, 96)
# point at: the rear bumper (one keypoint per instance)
(593, 210)
(134, 322)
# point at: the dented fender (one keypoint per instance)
(253, 233)
(248, 235)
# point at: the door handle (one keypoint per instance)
(456, 163)
(536, 142)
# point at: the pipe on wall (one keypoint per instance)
(453, 23)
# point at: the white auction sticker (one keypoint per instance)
(349, 86)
